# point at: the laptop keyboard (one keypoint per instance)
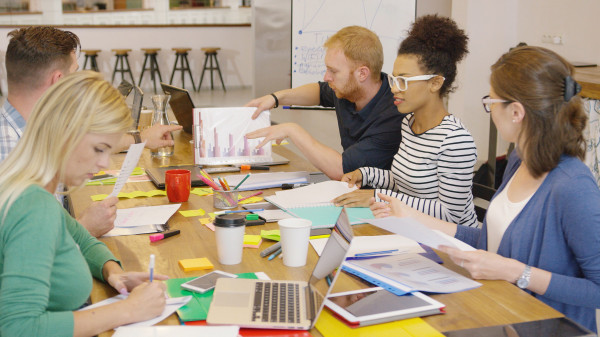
(276, 302)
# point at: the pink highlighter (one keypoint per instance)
(158, 237)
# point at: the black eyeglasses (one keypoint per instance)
(487, 102)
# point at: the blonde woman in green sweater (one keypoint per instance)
(47, 259)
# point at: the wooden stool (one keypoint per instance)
(211, 54)
(92, 56)
(150, 55)
(121, 55)
(181, 56)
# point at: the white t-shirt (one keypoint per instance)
(500, 214)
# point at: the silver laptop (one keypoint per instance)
(282, 304)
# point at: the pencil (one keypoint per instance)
(241, 182)
(250, 196)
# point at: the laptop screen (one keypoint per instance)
(181, 104)
(322, 278)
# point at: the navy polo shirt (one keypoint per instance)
(370, 137)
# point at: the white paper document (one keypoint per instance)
(131, 160)
(144, 229)
(177, 330)
(143, 216)
(172, 305)
(415, 230)
(320, 194)
(416, 272)
(387, 244)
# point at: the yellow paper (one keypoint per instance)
(251, 200)
(252, 240)
(205, 221)
(193, 212)
(200, 191)
(329, 326)
(195, 264)
(130, 195)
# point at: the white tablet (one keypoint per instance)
(377, 305)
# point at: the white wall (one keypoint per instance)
(234, 57)
(495, 26)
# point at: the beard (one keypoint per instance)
(351, 91)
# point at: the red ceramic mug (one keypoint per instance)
(178, 184)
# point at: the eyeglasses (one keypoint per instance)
(401, 82)
(487, 102)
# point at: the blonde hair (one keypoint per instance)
(360, 46)
(79, 104)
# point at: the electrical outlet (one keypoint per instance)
(557, 39)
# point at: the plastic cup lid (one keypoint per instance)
(230, 220)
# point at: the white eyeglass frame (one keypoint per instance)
(393, 80)
(487, 102)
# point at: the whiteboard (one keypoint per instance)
(314, 21)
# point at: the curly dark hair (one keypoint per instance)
(439, 45)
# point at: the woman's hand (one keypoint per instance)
(146, 301)
(124, 282)
(353, 178)
(391, 207)
(357, 198)
(484, 265)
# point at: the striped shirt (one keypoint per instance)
(432, 171)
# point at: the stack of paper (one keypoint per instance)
(314, 202)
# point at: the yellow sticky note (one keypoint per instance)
(155, 193)
(193, 212)
(251, 200)
(201, 191)
(252, 241)
(271, 235)
(195, 264)
(99, 197)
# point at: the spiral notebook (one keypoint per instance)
(313, 202)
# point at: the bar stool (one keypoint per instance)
(211, 54)
(92, 56)
(121, 55)
(181, 56)
(150, 55)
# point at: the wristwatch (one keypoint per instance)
(136, 136)
(523, 281)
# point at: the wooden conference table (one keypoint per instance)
(494, 303)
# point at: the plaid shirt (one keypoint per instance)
(12, 126)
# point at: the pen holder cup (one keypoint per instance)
(225, 199)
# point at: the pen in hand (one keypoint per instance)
(151, 266)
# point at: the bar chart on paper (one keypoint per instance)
(221, 136)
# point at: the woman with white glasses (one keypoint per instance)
(433, 169)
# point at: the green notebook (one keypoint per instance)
(197, 308)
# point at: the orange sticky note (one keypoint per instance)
(195, 264)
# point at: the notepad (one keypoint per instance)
(195, 264)
(313, 202)
(267, 180)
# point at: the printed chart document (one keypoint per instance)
(386, 244)
(413, 271)
(177, 330)
(130, 162)
(143, 216)
(415, 230)
(172, 305)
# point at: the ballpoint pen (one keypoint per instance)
(151, 267)
(274, 255)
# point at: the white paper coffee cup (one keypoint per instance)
(294, 241)
(229, 234)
